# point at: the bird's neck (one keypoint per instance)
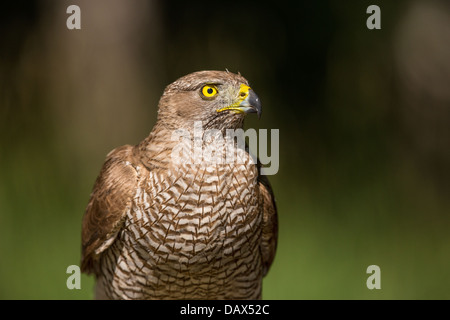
(155, 150)
(164, 142)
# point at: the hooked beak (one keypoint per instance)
(251, 104)
(248, 102)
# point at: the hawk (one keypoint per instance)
(158, 228)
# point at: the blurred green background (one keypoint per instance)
(364, 120)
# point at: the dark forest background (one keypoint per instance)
(364, 120)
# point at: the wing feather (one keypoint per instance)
(269, 236)
(107, 207)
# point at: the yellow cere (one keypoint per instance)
(209, 91)
(243, 94)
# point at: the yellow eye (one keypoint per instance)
(209, 91)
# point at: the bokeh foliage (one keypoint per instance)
(364, 120)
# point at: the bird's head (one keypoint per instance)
(220, 99)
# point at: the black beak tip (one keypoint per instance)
(255, 103)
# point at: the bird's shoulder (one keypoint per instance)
(270, 222)
(108, 204)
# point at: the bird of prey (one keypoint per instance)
(156, 228)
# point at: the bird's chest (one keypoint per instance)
(194, 216)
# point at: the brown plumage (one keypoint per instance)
(156, 228)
